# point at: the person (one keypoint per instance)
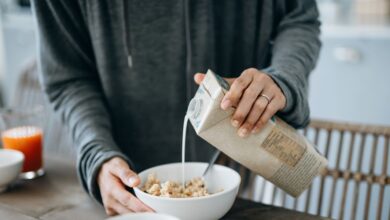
(120, 74)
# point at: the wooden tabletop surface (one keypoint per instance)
(59, 196)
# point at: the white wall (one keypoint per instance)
(19, 48)
(352, 79)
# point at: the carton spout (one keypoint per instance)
(204, 109)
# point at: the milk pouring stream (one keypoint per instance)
(278, 153)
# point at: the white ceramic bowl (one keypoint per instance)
(11, 162)
(143, 216)
(208, 207)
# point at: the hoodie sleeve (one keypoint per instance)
(294, 54)
(71, 82)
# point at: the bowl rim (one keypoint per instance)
(137, 189)
(149, 214)
(19, 158)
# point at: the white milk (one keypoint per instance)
(183, 151)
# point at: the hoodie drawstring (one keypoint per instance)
(126, 36)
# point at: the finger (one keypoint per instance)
(236, 90)
(129, 200)
(254, 115)
(110, 211)
(198, 78)
(270, 111)
(108, 201)
(121, 170)
(246, 103)
(119, 208)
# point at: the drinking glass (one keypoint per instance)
(22, 130)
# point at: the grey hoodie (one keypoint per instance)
(119, 72)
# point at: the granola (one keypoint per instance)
(193, 188)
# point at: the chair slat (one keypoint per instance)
(327, 146)
(371, 172)
(384, 173)
(252, 187)
(346, 177)
(295, 206)
(357, 183)
(242, 171)
(262, 191)
(335, 177)
(309, 191)
(273, 198)
(284, 199)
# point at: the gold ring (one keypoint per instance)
(266, 97)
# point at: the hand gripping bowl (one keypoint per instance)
(11, 162)
(208, 207)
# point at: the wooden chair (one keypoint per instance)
(356, 184)
(28, 94)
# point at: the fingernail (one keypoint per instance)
(235, 123)
(243, 132)
(132, 180)
(254, 130)
(225, 104)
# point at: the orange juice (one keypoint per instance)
(28, 140)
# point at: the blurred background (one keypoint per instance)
(351, 82)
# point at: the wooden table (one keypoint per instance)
(58, 195)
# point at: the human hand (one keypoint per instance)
(255, 97)
(113, 176)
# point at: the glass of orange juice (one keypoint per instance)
(22, 130)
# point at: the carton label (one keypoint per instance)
(283, 147)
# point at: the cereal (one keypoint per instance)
(194, 188)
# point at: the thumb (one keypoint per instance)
(126, 175)
(133, 179)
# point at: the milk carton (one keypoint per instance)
(278, 153)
